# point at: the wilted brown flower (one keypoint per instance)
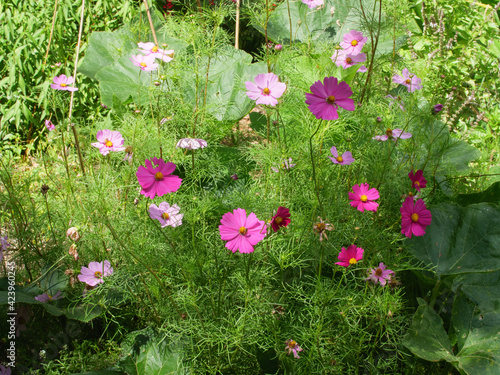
(73, 234)
(72, 251)
(321, 227)
(44, 189)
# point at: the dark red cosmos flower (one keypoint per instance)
(281, 219)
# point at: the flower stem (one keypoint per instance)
(316, 189)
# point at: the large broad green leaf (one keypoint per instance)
(84, 313)
(226, 99)
(482, 288)
(480, 352)
(105, 48)
(307, 24)
(426, 337)
(108, 60)
(148, 353)
(491, 195)
(100, 372)
(461, 239)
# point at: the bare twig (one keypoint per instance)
(150, 22)
(51, 34)
(75, 135)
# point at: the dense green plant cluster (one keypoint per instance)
(178, 300)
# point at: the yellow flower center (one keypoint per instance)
(330, 99)
(417, 183)
(63, 85)
(414, 218)
(158, 176)
(143, 64)
(388, 132)
(50, 297)
(410, 194)
(243, 230)
(363, 198)
(354, 43)
(98, 275)
(408, 81)
(320, 227)
(266, 91)
(108, 143)
(339, 159)
(348, 60)
(154, 49)
(353, 261)
(292, 344)
(278, 220)
(165, 216)
(379, 272)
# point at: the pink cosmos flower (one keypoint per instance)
(340, 58)
(286, 164)
(191, 143)
(109, 140)
(146, 63)
(353, 42)
(414, 217)
(313, 3)
(23, 316)
(380, 274)
(151, 49)
(3, 246)
(241, 232)
(95, 273)
(417, 179)
(234, 177)
(45, 297)
(350, 256)
(293, 347)
(167, 215)
(266, 89)
(363, 197)
(50, 126)
(395, 100)
(393, 135)
(345, 159)
(281, 219)
(5, 370)
(327, 97)
(157, 180)
(62, 83)
(409, 80)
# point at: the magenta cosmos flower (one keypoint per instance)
(380, 274)
(409, 80)
(293, 347)
(417, 179)
(191, 143)
(327, 97)
(167, 215)
(266, 89)
(353, 42)
(345, 159)
(313, 3)
(281, 219)
(109, 140)
(63, 83)
(3, 246)
(95, 273)
(146, 63)
(414, 217)
(241, 232)
(393, 135)
(50, 126)
(340, 58)
(363, 197)
(157, 180)
(151, 49)
(45, 297)
(349, 256)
